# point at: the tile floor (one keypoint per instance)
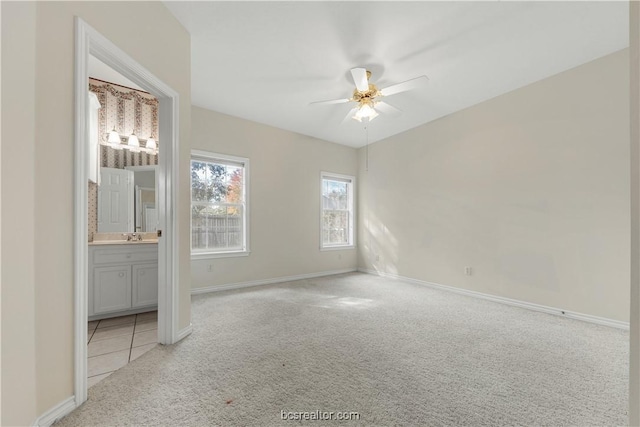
(117, 341)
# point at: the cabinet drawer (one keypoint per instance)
(124, 255)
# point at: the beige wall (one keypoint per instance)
(152, 36)
(530, 189)
(284, 199)
(634, 333)
(18, 214)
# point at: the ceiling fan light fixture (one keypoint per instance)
(366, 112)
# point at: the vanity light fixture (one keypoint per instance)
(151, 147)
(114, 139)
(131, 143)
(134, 144)
(151, 144)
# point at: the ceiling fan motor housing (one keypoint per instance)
(370, 94)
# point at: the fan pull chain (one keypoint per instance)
(366, 131)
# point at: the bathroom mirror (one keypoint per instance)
(127, 199)
(144, 197)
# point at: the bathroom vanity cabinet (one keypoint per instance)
(123, 279)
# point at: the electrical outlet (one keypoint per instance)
(468, 271)
(210, 267)
(339, 256)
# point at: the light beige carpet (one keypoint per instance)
(395, 353)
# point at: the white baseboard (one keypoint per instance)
(509, 301)
(54, 414)
(217, 288)
(185, 332)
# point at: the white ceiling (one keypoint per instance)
(266, 61)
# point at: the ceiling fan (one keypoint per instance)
(367, 96)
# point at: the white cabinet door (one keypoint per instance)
(111, 288)
(145, 285)
(115, 201)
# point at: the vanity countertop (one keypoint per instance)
(100, 239)
(123, 242)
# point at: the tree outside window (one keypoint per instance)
(218, 205)
(337, 211)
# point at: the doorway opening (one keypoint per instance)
(90, 43)
(122, 224)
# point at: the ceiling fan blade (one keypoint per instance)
(404, 86)
(333, 101)
(360, 79)
(349, 115)
(385, 108)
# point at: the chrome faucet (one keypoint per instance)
(133, 236)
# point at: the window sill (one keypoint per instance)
(337, 248)
(211, 255)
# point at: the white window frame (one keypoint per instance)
(352, 211)
(208, 156)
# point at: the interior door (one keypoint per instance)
(115, 201)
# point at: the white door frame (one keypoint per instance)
(90, 42)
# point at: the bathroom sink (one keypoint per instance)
(121, 239)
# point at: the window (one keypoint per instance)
(336, 214)
(219, 207)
